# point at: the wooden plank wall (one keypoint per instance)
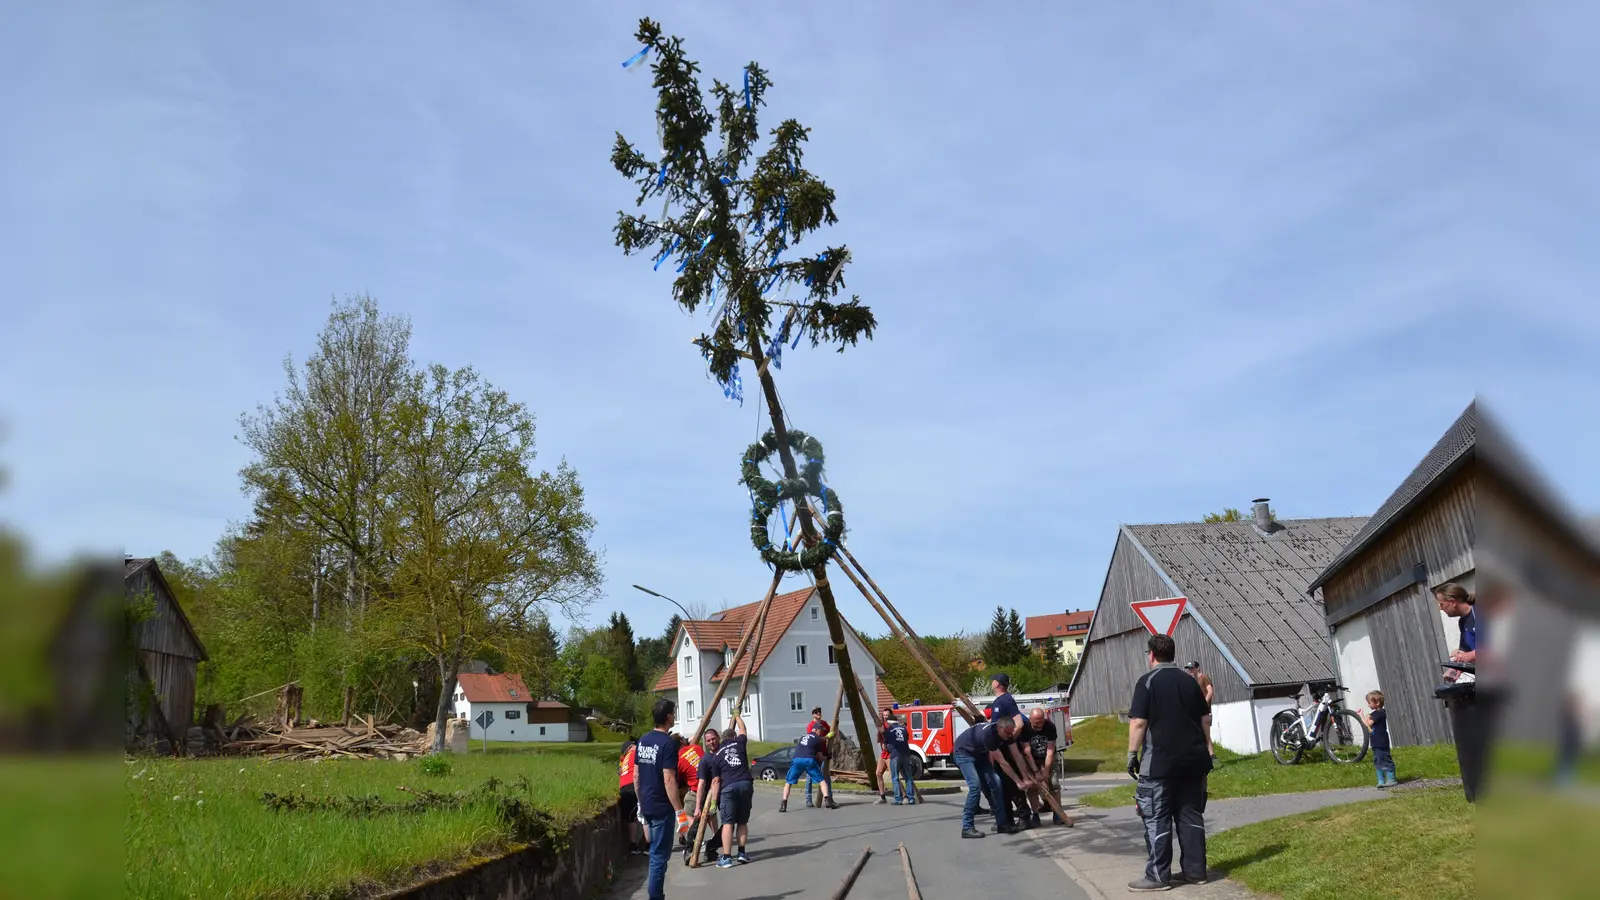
(1111, 666)
(163, 632)
(1408, 644)
(174, 680)
(1130, 577)
(1439, 534)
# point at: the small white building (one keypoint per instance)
(517, 716)
(793, 669)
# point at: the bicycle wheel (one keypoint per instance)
(1286, 744)
(1346, 739)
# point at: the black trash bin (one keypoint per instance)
(1470, 725)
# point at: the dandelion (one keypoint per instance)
(177, 797)
(199, 803)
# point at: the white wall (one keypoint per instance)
(1358, 667)
(1265, 710)
(1233, 725)
(818, 680)
(518, 729)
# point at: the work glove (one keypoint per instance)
(1133, 765)
(684, 818)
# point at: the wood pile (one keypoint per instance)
(360, 740)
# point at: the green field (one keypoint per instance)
(1418, 846)
(198, 828)
(61, 826)
(1252, 776)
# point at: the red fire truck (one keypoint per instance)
(934, 728)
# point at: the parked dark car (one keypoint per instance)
(774, 765)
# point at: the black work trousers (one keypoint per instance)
(1166, 804)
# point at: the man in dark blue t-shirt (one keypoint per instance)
(805, 763)
(736, 791)
(656, 782)
(1004, 705)
(898, 740)
(977, 753)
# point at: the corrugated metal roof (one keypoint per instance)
(1250, 588)
(1454, 447)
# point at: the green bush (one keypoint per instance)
(435, 764)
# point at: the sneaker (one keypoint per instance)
(725, 862)
(1180, 878)
(897, 802)
(783, 806)
(910, 802)
(971, 833)
(1055, 818)
(1145, 884)
(742, 857)
(1034, 822)
(983, 811)
(881, 800)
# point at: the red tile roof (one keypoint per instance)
(499, 689)
(713, 635)
(885, 699)
(1058, 625)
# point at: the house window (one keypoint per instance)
(688, 708)
(727, 656)
(797, 701)
(513, 714)
(800, 655)
(541, 730)
(831, 660)
(813, 613)
(743, 710)
(688, 665)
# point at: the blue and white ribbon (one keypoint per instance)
(663, 257)
(696, 255)
(632, 62)
(733, 388)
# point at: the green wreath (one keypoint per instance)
(766, 495)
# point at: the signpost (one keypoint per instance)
(484, 720)
(1160, 616)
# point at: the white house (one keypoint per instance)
(793, 668)
(517, 716)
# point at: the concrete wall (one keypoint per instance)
(519, 729)
(594, 849)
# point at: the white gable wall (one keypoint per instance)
(817, 680)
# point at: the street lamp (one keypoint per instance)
(686, 615)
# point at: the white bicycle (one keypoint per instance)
(1340, 731)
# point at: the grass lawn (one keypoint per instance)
(1537, 844)
(1252, 776)
(1099, 744)
(61, 827)
(197, 828)
(1419, 846)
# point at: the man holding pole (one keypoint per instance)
(705, 774)
(977, 754)
(820, 727)
(805, 763)
(737, 791)
(1042, 747)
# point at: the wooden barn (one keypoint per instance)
(1247, 622)
(166, 661)
(1471, 504)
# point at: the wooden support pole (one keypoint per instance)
(738, 657)
(760, 629)
(850, 878)
(911, 880)
(919, 652)
(705, 817)
(349, 703)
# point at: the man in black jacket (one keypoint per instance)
(1167, 755)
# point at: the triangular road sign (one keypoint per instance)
(1160, 616)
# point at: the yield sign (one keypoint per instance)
(1160, 616)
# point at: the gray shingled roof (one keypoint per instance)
(1455, 447)
(1251, 588)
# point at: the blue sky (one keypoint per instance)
(1132, 263)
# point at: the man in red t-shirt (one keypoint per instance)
(630, 801)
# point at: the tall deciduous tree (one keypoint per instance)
(480, 542)
(326, 445)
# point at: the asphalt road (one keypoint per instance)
(805, 853)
